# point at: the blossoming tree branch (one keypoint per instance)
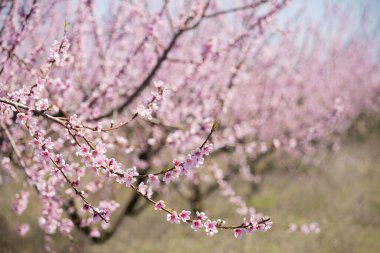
(176, 97)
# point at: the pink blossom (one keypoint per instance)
(35, 143)
(168, 177)
(176, 163)
(197, 156)
(129, 176)
(113, 165)
(74, 121)
(159, 205)
(292, 228)
(85, 222)
(208, 48)
(96, 217)
(59, 52)
(314, 228)
(101, 148)
(210, 227)
(159, 84)
(308, 229)
(201, 216)
(149, 192)
(22, 229)
(129, 179)
(83, 150)
(40, 81)
(87, 158)
(100, 161)
(250, 229)
(207, 149)
(22, 118)
(189, 163)
(20, 202)
(142, 188)
(45, 155)
(105, 212)
(95, 153)
(48, 143)
(42, 105)
(6, 166)
(59, 160)
(196, 224)
(153, 180)
(48, 224)
(66, 226)
(144, 112)
(182, 171)
(184, 215)
(173, 218)
(86, 207)
(238, 232)
(94, 233)
(305, 229)
(151, 105)
(263, 226)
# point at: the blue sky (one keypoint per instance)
(315, 9)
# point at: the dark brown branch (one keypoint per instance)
(145, 83)
(236, 9)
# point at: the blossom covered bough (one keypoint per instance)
(94, 157)
(217, 81)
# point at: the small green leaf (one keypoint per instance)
(215, 124)
(66, 26)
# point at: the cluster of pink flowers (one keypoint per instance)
(196, 224)
(252, 225)
(145, 190)
(20, 203)
(57, 84)
(184, 168)
(105, 208)
(312, 228)
(59, 52)
(22, 229)
(152, 104)
(211, 226)
(22, 118)
(51, 218)
(6, 167)
(42, 104)
(97, 159)
(52, 211)
(111, 168)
